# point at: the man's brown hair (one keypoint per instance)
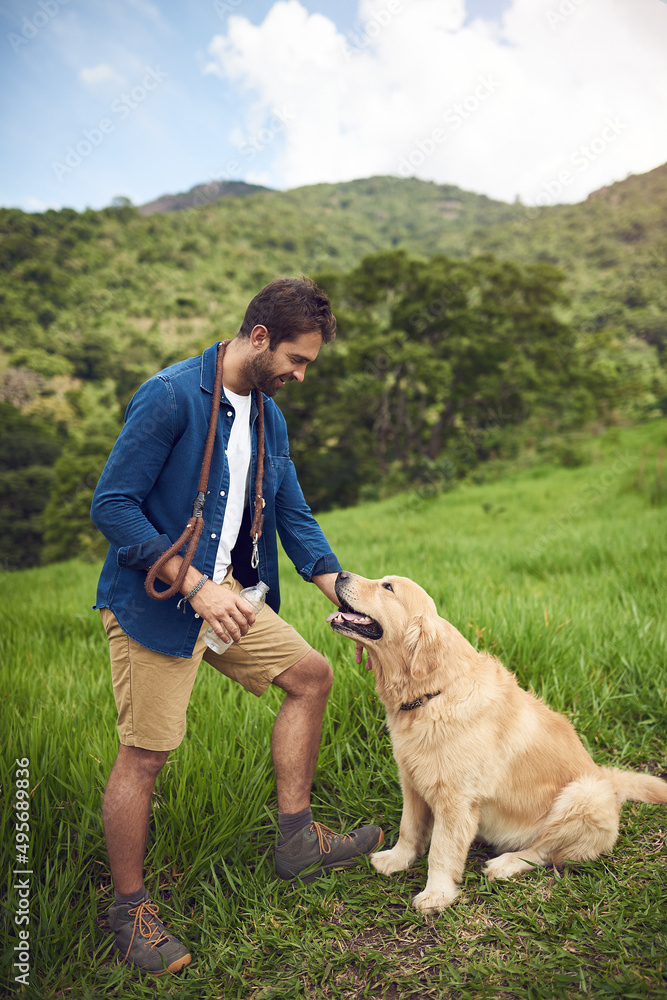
(288, 307)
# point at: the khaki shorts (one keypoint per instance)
(152, 690)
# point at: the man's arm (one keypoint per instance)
(326, 581)
(301, 536)
(135, 462)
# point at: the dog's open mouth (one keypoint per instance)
(354, 623)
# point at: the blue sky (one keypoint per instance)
(545, 99)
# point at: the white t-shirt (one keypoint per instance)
(238, 460)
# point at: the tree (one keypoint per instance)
(28, 450)
(68, 529)
(431, 355)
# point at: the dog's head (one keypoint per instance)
(394, 619)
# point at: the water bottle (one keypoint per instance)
(255, 595)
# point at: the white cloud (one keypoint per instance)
(562, 97)
(103, 73)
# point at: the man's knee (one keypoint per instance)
(322, 673)
(312, 675)
(147, 763)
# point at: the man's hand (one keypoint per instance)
(229, 615)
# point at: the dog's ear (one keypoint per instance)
(424, 642)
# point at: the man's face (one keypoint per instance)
(270, 370)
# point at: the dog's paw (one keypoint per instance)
(507, 866)
(434, 901)
(389, 862)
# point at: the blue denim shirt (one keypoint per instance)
(144, 498)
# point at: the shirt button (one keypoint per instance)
(229, 413)
(214, 536)
(222, 493)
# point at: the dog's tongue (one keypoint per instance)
(352, 616)
(349, 616)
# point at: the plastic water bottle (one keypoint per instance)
(255, 595)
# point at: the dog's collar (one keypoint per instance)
(408, 706)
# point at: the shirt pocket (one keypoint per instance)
(277, 467)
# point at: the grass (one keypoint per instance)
(559, 571)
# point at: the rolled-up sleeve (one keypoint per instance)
(143, 555)
(132, 468)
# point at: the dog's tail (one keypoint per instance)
(633, 787)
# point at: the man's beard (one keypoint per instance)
(260, 373)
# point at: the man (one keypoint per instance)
(142, 501)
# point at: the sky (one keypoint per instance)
(542, 100)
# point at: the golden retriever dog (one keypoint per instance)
(478, 756)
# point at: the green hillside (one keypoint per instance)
(434, 287)
(190, 273)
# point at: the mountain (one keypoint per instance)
(175, 279)
(92, 303)
(201, 194)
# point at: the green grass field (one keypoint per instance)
(561, 572)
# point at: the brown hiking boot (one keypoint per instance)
(316, 849)
(143, 941)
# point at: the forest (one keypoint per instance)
(469, 330)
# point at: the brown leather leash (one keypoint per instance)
(193, 529)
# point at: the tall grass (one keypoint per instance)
(561, 572)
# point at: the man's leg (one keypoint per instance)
(307, 849)
(141, 938)
(274, 653)
(152, 692)
(125, 814)
(295, 741)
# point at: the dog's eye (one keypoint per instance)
(388, 586)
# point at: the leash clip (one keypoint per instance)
(198, 505)
(254, 561)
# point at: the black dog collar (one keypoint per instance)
(407, 707)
